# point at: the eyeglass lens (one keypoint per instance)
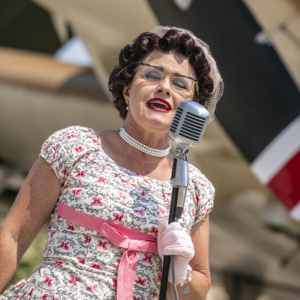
(178, 83)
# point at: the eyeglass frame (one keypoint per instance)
(170, 76)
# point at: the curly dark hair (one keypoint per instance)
(132, 54)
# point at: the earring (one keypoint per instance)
(127, 107)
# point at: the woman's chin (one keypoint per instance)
(158, 123)
(153, 120)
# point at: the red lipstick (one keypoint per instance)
(159, 104)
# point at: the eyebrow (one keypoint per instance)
(159, 67)
(178, 74)
(162, 69)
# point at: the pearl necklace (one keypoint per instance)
(136, 144)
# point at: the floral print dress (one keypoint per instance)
(82, 264)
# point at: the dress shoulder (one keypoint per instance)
(66, 146)
(203, 191)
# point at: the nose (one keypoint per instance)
(164, 87)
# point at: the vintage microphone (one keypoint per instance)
(187, 130)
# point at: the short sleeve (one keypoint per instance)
(204, 194)
(65, 147)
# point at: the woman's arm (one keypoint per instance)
(30, 212)
(200, 283)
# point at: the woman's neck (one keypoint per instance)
(153, 139)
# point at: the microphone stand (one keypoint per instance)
(179, 181)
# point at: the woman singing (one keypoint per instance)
(110, 191)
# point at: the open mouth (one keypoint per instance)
(159, 105)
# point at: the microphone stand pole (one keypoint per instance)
(179, 181)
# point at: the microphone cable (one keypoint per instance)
(173, 278)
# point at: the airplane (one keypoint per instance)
(261, 98)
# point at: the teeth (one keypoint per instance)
(160, 102)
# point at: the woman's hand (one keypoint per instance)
(173, 240)
(30, 212)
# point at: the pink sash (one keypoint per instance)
(131, 239)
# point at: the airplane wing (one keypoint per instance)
(104, 27)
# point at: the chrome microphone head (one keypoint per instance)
(188, 126)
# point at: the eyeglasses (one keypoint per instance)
(179, 83)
